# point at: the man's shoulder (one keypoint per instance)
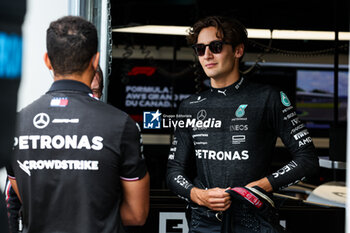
(270, 93)
(46, 101)
(262, 88)
(33, 105)
(112, 109)
(111, 114)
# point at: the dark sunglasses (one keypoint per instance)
(214, 46)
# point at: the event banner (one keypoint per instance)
(139, 86)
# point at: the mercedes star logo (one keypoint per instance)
(201, 115)
(41, 120)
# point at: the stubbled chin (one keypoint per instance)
(215, 76)
(210, 73)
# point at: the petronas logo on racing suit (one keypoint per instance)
(240, 110)
(284, 99)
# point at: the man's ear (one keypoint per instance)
(47, 61)
(239, 50)
(94, 60)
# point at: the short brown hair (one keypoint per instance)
(229, 30)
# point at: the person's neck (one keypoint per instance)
(85, 77)
(225, 81)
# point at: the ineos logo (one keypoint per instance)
(201, 115)
(41, 120)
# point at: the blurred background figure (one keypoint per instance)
(97, 83)
(11, 19)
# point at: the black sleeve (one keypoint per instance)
(13, 205)
(10, 171)
(133, 165)
(9, 166)
(296, 138)
(181, 152)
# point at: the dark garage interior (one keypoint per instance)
(281, 63)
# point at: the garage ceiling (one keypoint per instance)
(270, 14)
(277, 14)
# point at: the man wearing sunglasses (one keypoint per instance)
(231, 149)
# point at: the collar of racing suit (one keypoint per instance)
(70, 85)
(229, 90)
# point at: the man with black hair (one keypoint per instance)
(230, 137)
(13, 204)
(78, 164)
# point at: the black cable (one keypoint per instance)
(268, 48)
